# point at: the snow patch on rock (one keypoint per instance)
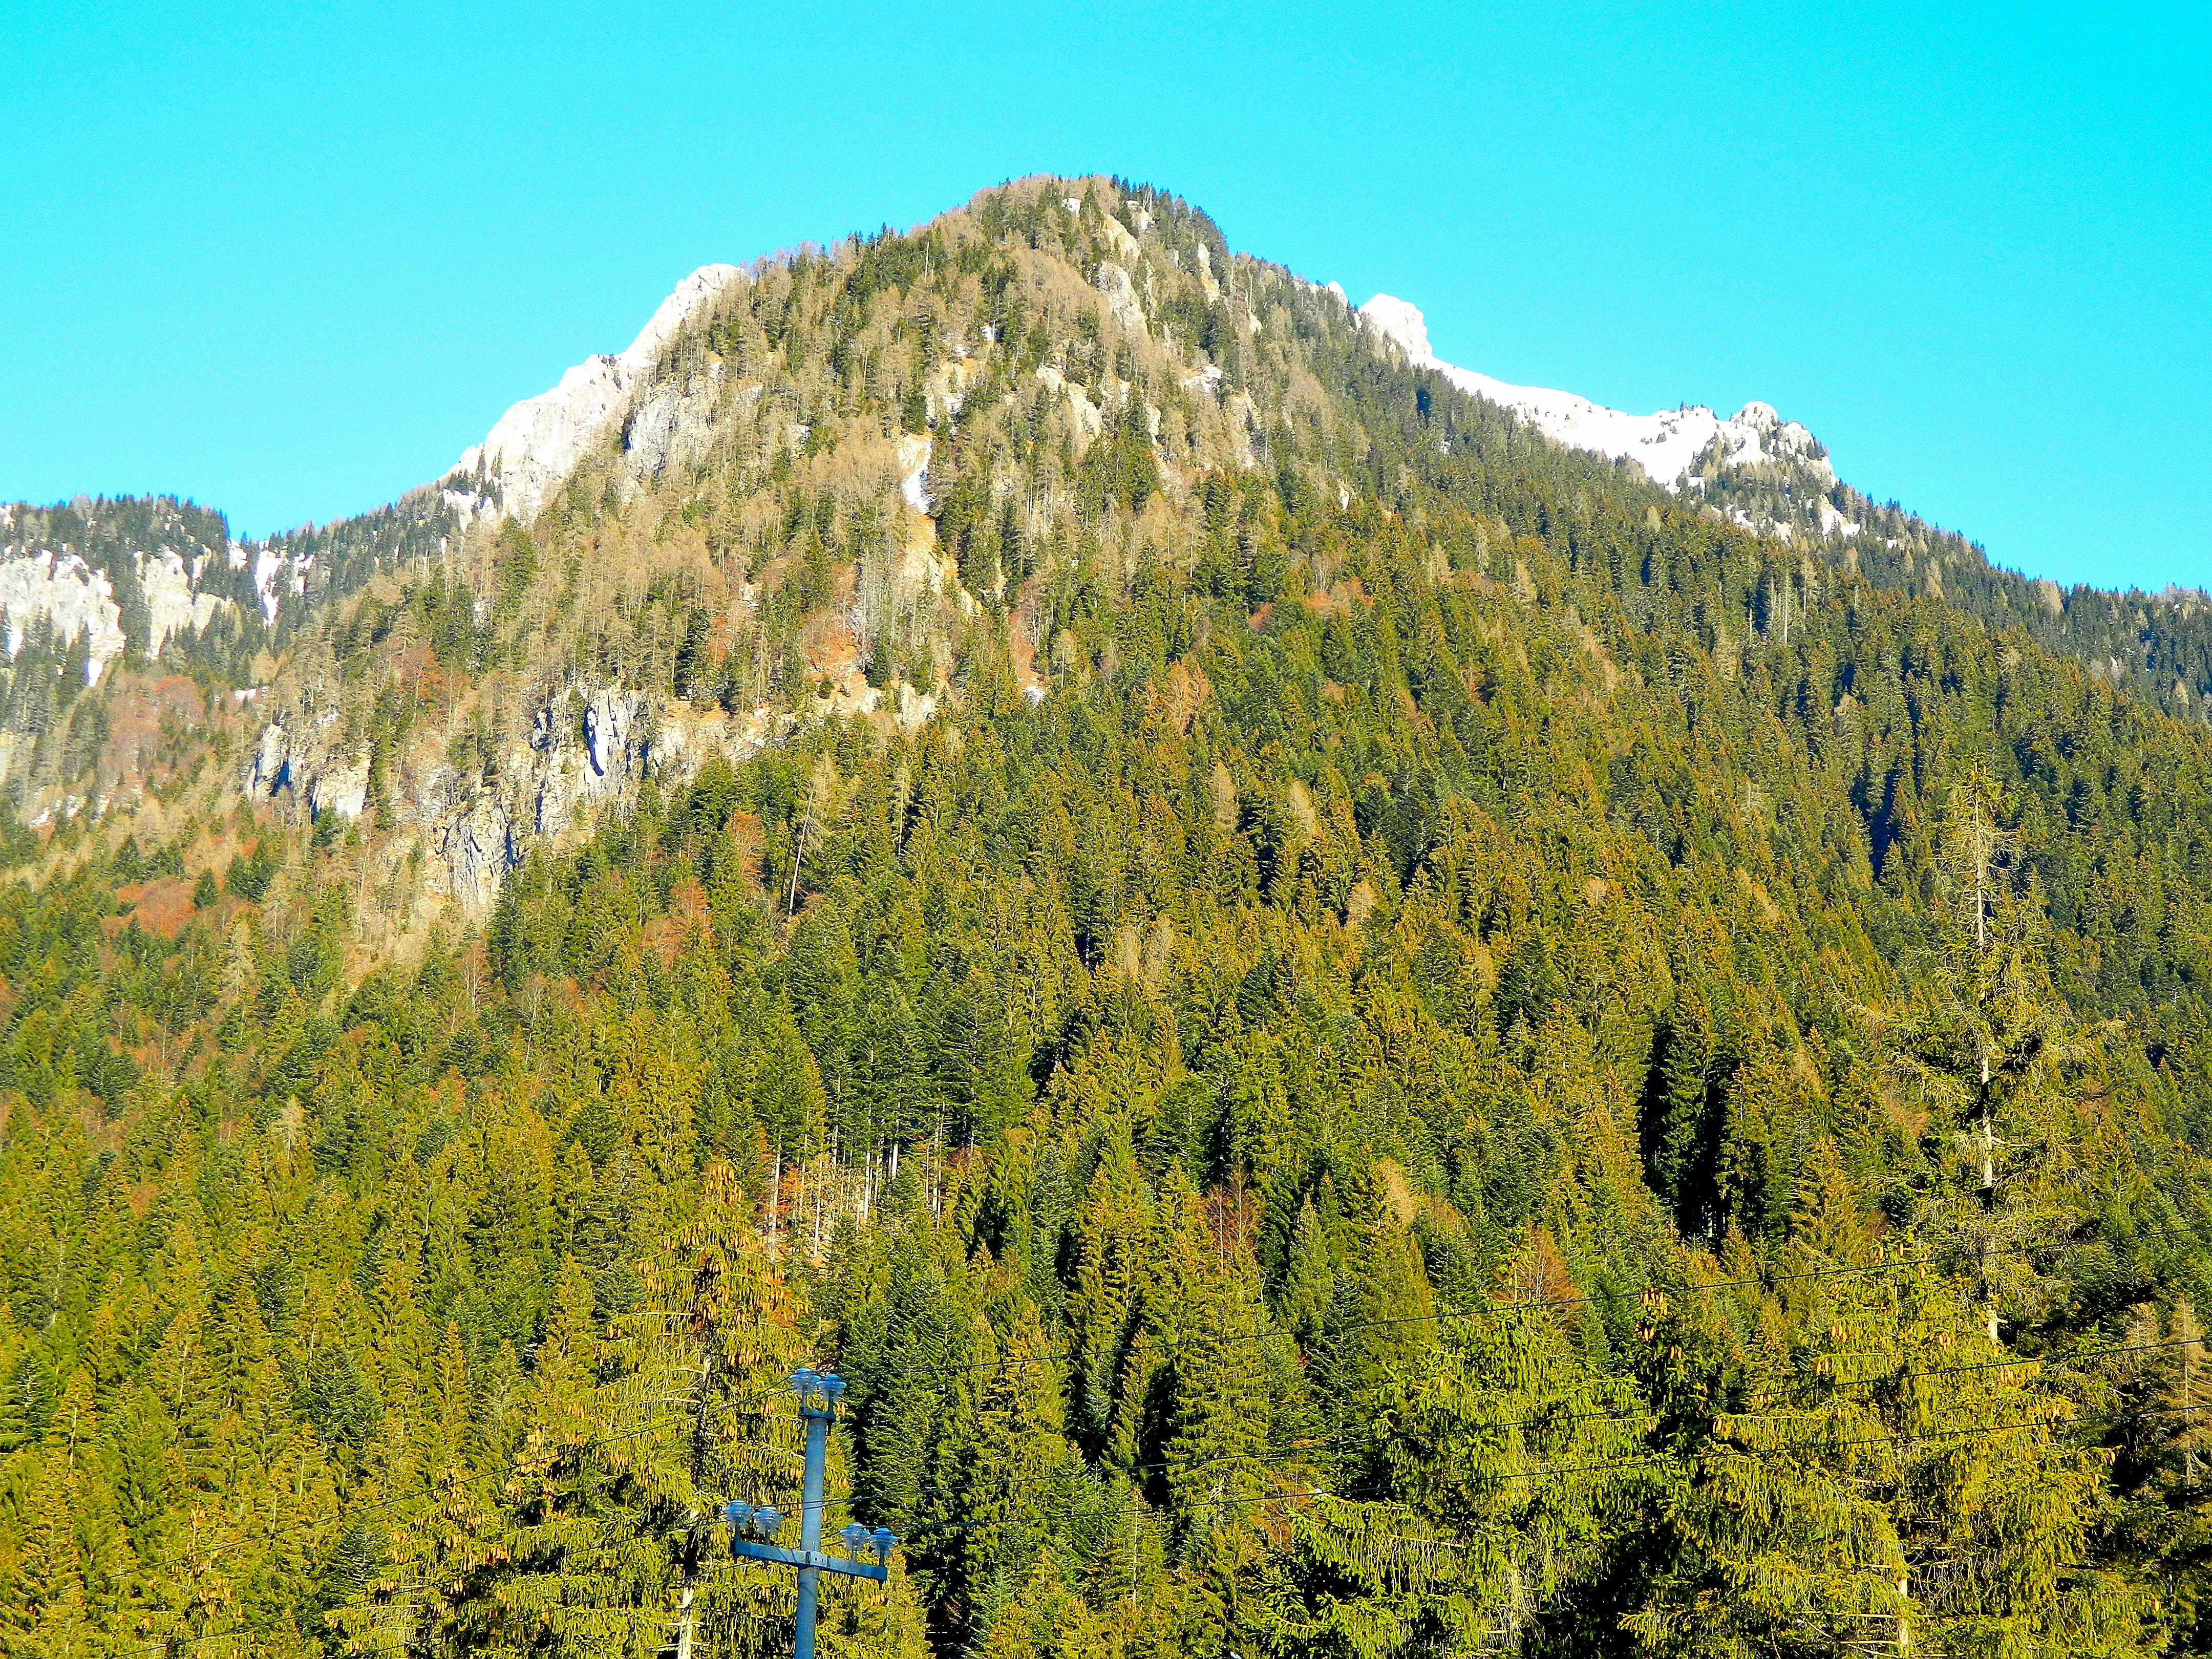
(268, 576)
(914, 469)
(1833, 523)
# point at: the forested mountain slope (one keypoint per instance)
(1362, 1034)
(1773, 477)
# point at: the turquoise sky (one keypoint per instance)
(290, 260)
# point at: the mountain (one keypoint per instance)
(659, 408)
(1363, 1028)
(82, 571)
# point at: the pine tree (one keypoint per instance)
(613, 1507)
(1308, 1279)
(1000, 1483)
(1995, 1057)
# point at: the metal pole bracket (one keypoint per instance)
(750, 1549)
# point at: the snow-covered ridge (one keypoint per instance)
(1668, 444)
(539, 442)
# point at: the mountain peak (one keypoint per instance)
(539, 442)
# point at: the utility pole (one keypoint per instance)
(752, 1532)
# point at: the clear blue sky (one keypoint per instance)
(289, 260)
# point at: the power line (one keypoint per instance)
(867, 1374)
(1171, 1467)
(1375, 1496)
(1442, 1315)
(1170, 1344)
(348, 1517)
(1486, 1310)
(1797, 1450)
(399, 1500)
(1543, 1420)
(1762, 1281)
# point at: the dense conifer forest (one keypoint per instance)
(1382, 1040)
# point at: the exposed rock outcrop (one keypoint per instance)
(69, 596)
(584, 748)
(538, 443)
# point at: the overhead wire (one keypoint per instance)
(1706, 1452)
(1376, 1496)
(1154, 1346)
(1540, 1419)
(1763, 1281)
(1489, 1309)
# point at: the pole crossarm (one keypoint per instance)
(748, 1549)
(752, 1531)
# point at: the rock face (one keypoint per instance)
(171, 605)
(584, 748)
(73, 598)
(537, 442)
(1121, 292)
(69, 596)
(104, 574)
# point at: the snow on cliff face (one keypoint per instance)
(1668, 446)
(537, 442)
(913, 472)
